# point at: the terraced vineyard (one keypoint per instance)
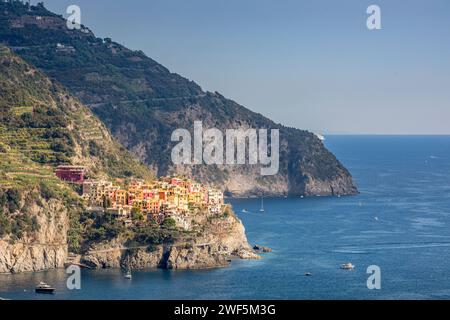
(17, 170)
(30, 142)
(42, 126)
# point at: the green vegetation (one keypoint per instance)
(40, 124)
(139, 100)
(41, 127)
(103, 227)
(142, 102)
(13, 221)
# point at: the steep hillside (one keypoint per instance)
(142, 103)
(41, 121)
(42, 219)
(41, 126)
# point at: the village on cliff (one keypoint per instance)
(149, 200)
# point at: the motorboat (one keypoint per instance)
(43, 287)
(347, 266)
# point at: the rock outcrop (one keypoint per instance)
(223, 238)
(43, 249)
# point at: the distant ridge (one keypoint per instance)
(141, 102)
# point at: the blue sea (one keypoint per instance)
(400, 222)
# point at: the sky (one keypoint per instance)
(310, 64)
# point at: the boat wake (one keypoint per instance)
(388, 246)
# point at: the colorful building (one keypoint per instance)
(172, 197)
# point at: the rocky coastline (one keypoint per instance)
(222, 238)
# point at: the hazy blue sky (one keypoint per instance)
(309, 64)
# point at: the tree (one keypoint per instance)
(136, 213)
(169, 223)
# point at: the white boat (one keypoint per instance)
(262, 205)
(347, 266)
(43, 287)
(244, 211)
(128, 274)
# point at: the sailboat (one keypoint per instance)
(262, 205)
(128, 274)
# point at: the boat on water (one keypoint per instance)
(44, 288)
(244, 211)
(347, 266)
(128, 274)
(308, 274)
(262, 205)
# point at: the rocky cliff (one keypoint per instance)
(213, 240)
(218, 238)
(40, 249)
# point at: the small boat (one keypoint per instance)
(347, 266)
(44, 288)
(308, 274)
(128, 274)
(262, 205)
(244, 211)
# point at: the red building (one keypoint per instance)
(73, 174)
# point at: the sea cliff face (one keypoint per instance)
(222, 238)
(43, 249)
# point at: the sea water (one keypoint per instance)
(399, 222)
